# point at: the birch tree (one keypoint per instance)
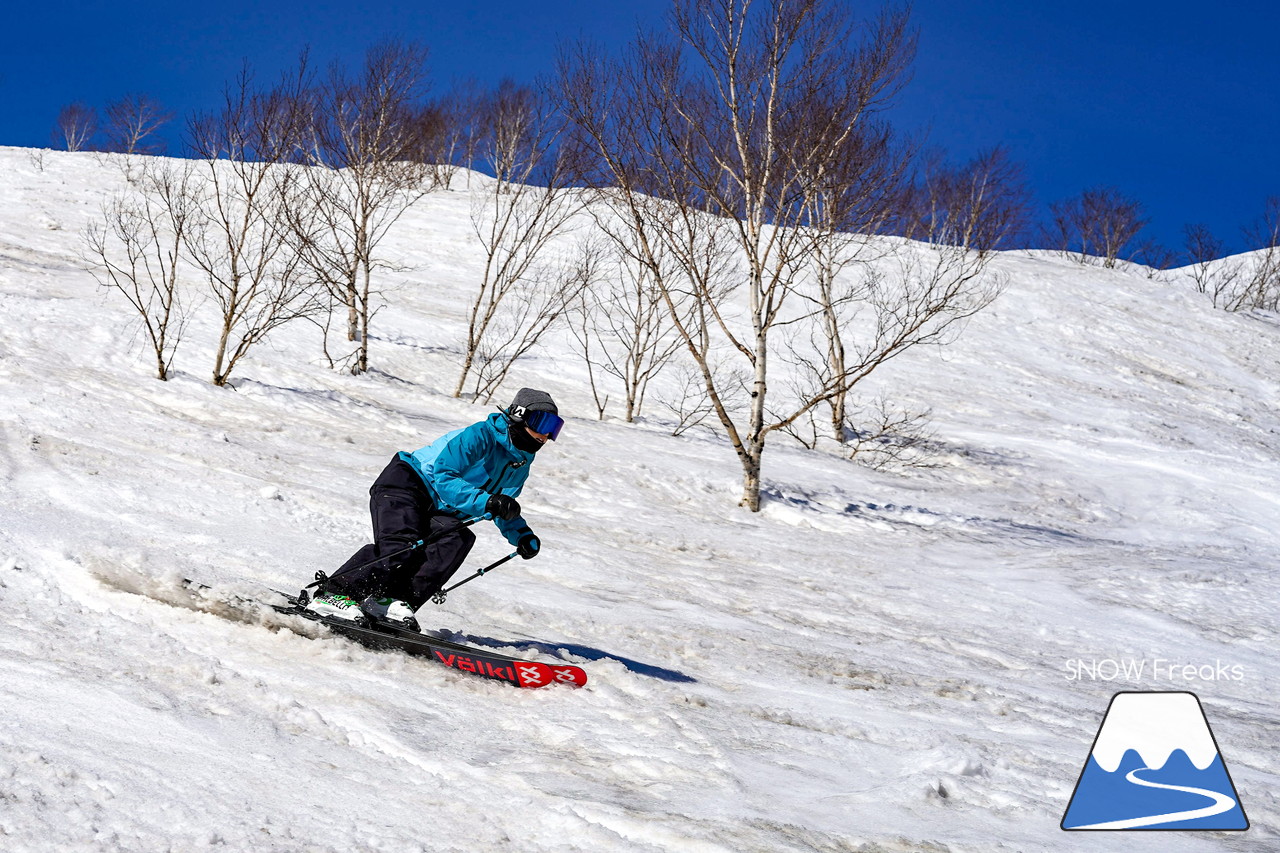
(977, 205)
(136, 250)
(238, 236)
(718, 123)
(515, 217)
(1243, 282)
(1214, 274)
(368, 140)
(131, 124)
(621, 325)
(76, 125)
(1100, 222)
(848, 202)
(1261, 287)
(453, 147)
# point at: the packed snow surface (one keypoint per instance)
(877, 661)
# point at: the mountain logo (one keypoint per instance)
(1155, 765)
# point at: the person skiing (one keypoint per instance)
(427, 495)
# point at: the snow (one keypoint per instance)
(875, 662)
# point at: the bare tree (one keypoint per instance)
(719, 125)
(537, 304)
(880, 435)
(77, 124)
(1100, 222)
(979, 205)
(515, 217)
(453, 147)
(239, 236)
(1214, 274)
(1156, 257)
(1261, 288)
(1247, 281)
(691, 271)
(136, 251)
(131, 124)
(849, 201)
(369, 142)
(621, 325)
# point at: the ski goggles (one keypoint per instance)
(544, 423)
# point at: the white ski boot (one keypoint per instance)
(336, 606)
(391, 610)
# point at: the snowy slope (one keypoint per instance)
(875, 662)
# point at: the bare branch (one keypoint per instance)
(136, 251)
(1261, 288)
(515, 216)
(1100, 222)
(239, 237)
(76, 126)
(131, 124)
(734, 158)
(368, 140)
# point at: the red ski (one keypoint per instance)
(484, 663)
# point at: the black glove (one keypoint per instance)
(501, 506)
(528, 546)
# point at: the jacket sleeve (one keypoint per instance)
(466, 448)
(513, 529)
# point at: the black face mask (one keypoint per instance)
(521, 439)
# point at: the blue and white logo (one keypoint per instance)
(1155, 765)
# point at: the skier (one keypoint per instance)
(427, 495)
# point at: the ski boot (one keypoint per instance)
(390, 610)
(337, 606)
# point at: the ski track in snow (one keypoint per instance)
(875, 662)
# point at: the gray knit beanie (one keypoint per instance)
(530, 400)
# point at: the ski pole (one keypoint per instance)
(439, 597)
(322, 578)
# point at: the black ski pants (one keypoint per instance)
(403, 512)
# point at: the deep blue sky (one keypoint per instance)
(1175, 103)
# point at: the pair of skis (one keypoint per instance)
(380, 634)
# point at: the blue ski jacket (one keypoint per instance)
(464, 467)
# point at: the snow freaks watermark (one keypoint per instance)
(1151, 670)
(1155, 764)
